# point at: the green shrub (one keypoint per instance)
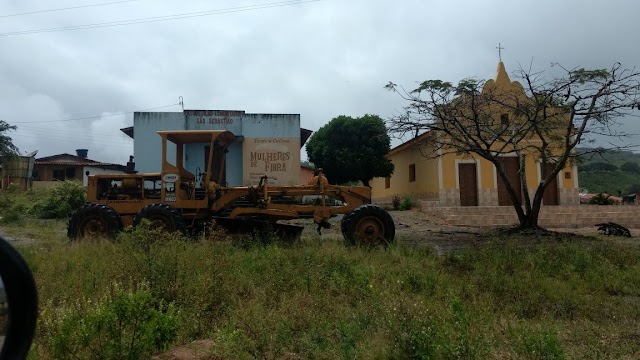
(11, 210)
(407, 203)
(59, 201)
(631, 167)
(395, 202)
(125, 325)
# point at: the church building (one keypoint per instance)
(467, 179)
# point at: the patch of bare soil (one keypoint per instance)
(413, 228)
(17, 240)
(417, 228)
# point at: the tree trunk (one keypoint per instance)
(530, 220)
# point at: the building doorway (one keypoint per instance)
(468, 180)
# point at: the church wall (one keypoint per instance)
(424, 186)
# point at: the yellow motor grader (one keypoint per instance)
(178, 200)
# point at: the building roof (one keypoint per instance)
(72, 160)
(418, 140)
(304, 136)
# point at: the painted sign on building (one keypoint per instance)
(278, 158)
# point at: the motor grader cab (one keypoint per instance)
(177, 199)
(181, 187)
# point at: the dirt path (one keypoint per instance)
(413, 228)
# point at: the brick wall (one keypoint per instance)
(550, 216)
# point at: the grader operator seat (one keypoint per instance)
(185, 181)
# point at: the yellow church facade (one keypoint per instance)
(452, 179)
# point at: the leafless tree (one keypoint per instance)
(544, 116)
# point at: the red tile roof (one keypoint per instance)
(72, 160)
(74, 163)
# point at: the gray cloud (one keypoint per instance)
(318, 59)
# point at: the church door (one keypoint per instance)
(468, 179)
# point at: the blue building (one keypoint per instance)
(267, 144)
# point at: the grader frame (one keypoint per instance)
(178, 200)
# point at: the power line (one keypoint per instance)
(75, 135)
(106, 143)
(59, 137)
(67, 8)
(162, 18)
(62, 134)
(90, 117)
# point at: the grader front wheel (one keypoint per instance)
(94, 221)
(368, 225)
(161, 216)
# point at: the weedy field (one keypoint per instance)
(148, 293)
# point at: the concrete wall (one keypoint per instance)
(426, 182)
(271, 147)
(437, 179)
(45, 184)
(45, 172)
(558, 216)
(147, 145)
(96, 171)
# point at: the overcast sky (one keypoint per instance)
(319, 59)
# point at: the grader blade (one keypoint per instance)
(263, 230)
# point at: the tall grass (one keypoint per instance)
(318, 299)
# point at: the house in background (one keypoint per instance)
(467, 179)
(51, 169)
(306, 174)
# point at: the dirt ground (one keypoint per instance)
(418, 228)
(413, 228)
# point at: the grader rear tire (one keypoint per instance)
(94, 221)
(368, 225)
(162, 217)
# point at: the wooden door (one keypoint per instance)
(511, 166)
(468, 179)
(550, 196)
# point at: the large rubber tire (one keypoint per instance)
(368, 225)
(161, 216)
(94, 221)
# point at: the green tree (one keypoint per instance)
(6, 143)
(558, 110)
(599, 166)
(630, 167)
(351, 149)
